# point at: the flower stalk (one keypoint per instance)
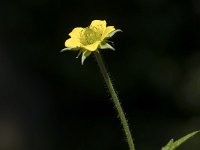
(115, 100)
(89, 40)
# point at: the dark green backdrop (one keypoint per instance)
(49, 101)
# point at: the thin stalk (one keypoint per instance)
(115, 100)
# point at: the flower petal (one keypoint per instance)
(72, 43)
(98, 25)
(76, 32)
(107, 31)
(92, 47)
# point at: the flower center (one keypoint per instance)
(89, 36)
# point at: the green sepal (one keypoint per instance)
(84, 56)
(106, 46)
(66, 49)
(113, 32)
(69, 48)
(172, 145)
(79, 53)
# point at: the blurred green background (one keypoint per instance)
(49, 101)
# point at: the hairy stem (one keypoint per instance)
(115, 100)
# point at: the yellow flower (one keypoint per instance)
(90, 39)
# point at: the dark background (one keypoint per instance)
(49, 101)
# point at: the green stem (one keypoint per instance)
(115, 100)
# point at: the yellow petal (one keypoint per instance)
(72, 42)
(107, 31)
(92, 47)
(76, 32)
(98, 25)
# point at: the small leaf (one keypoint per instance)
(115, 31)
(169, 145)
(106, 46)
(172, 145)
(183, 139)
